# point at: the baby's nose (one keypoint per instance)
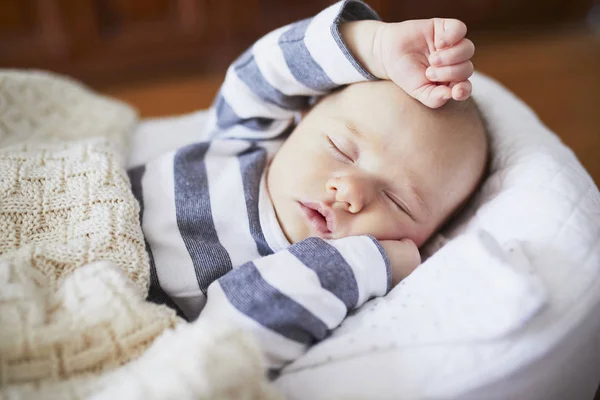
(354, 191)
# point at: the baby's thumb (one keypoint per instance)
(434, 96)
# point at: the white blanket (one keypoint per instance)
(499, 311)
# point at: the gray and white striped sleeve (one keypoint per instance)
(283, 72)
(295, 297)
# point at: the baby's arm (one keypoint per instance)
(283, 72)
(295, 297)
(429, 59)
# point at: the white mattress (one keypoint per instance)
(509, 308)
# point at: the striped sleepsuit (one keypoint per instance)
(215, 246)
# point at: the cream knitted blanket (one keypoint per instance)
(74, 271)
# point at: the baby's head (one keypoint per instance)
(371, 160)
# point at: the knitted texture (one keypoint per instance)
(73, 268)
(66, 204)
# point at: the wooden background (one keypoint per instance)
(168, 56)
(109, 40)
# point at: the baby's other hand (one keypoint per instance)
(430, 59)
(404, 257)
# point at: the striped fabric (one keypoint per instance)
(216, 248)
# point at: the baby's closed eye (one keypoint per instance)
(338, 150)
(398, 204)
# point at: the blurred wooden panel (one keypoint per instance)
(115, 14)
(114, 40)
(276, 13)
(480, 15)
(16, 17)
(104, 41)
(139, 22)
(31, 30)
(128, 27)
(488, 14)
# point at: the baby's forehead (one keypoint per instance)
(383, 111)
(379, 109)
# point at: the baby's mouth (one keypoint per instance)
(318, 216)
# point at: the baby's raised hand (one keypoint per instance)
(430, 59)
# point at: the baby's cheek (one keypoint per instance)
(402, 228)
(383, 227)
(397, 231)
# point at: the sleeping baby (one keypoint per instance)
(339, 145)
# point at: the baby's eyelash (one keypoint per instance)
(399, 205)
(337, 152)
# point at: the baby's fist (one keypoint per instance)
(404, 257)
(430, 59)
(451, 62)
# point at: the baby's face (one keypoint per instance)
(369, 159)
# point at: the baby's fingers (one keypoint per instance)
(450, 73)
(461, 90)
(448, 32)
(434, 96)
(461, 52)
